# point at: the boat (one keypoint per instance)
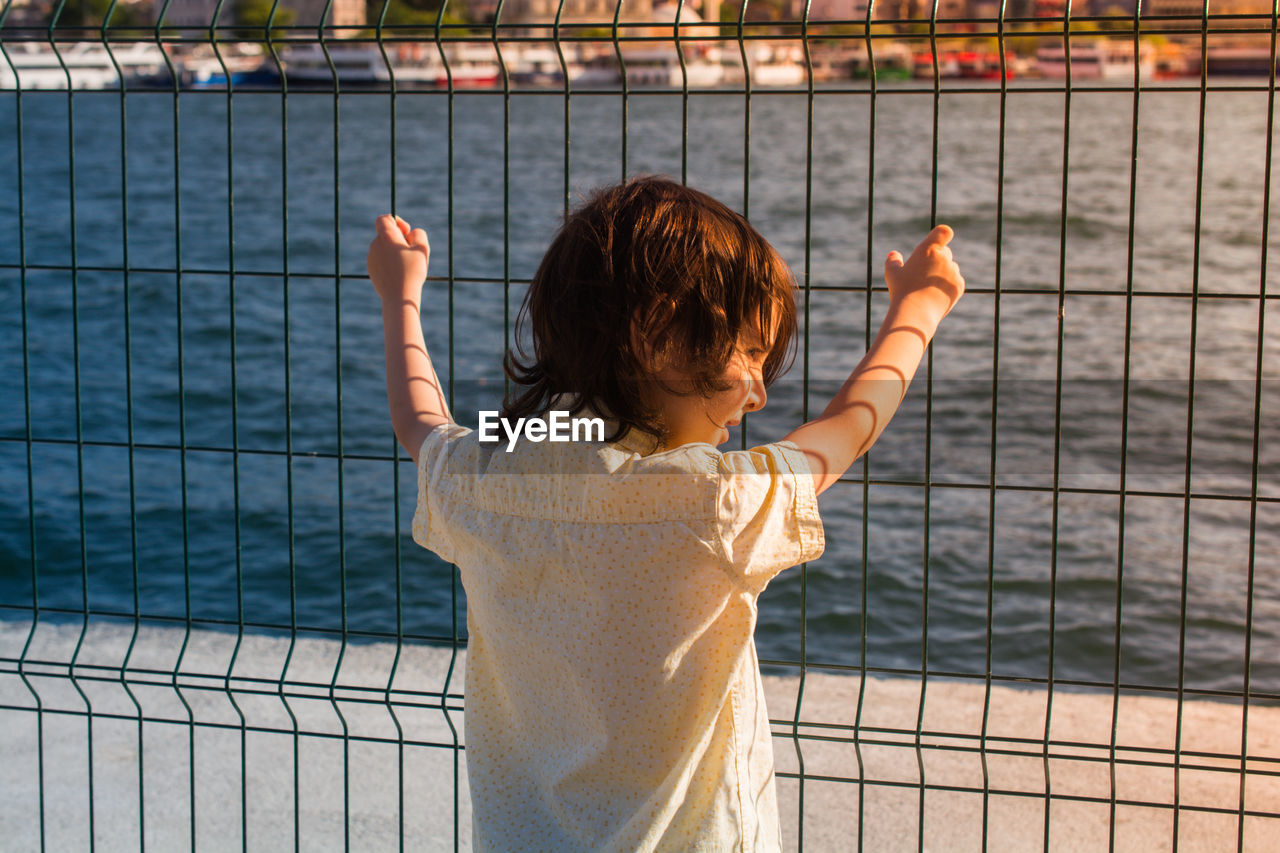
(471, 66)
(893, 61)
(648, 67)
(1175, 60)
(947, 65)
(661, 66)
(411, 65)
(76, 65)
(776, 65)
(262, 76)
(539, 66)
(1238, 61)
(986, 66)
(241, 65)
(315, 65)
(1097, 59)
(600, 71)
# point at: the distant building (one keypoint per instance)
(36, 13)
(199, 13)
(919, 10)
(28, 13)
(1195, 13)
(838, 10)
(190, 13)
(1178, 7)
(602, 12)
(842, 9)
(575, 11)
(342, 13)
(1217, 7)
(483, 10)
(1079, 8)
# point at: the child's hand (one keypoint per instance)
(929, 278)
(398, 260)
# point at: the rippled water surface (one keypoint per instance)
(942, 576)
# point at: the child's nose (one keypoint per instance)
(756, 399)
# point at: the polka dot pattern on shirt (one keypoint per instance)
(613, 695)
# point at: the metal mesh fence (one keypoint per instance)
(1052, 587)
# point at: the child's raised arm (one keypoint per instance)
(398, 267)
(921, 292)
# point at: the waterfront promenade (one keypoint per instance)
(351, 793)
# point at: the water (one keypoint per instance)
(319, 543)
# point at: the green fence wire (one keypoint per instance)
(259, 680)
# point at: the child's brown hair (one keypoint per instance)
(644, 273)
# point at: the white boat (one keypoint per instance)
(77, 65)
(470, 66)
(660, 66)
(776, 65)
(598, 71)
(1233, 61)
(203, 67)
(358, 65)
(538, 66)
(416, 64)
(1097, 59)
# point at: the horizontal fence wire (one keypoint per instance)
(1047, 608)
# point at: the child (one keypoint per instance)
(614, 699)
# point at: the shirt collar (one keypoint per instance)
(636, 440)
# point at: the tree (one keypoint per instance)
(253, 16)
(416, 17)
(91, 13)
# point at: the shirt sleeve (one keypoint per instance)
(438, 460)
(768, 512)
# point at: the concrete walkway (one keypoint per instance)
(253, 797)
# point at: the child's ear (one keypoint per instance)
(647, 338)
(652, 359)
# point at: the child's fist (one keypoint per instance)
(397, 260)
(929, 277)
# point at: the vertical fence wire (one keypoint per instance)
(1056, 495)
(928, 447)
(506, 182)
(237, 538)
(1123, 474)
(72, 231)
(746, 156)
(804, 406)
(684, 94)
(1191, 406)
(176, 149)
(865, 552)
(746, 125)
(568, 94)
(452, 280)
(625, 84)
(126, 327)
(997, 281)
(20, 198)
(1251, 569)
(291, 515)
(397, 546)
(337, 405)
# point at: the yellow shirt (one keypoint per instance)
(613, 693)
